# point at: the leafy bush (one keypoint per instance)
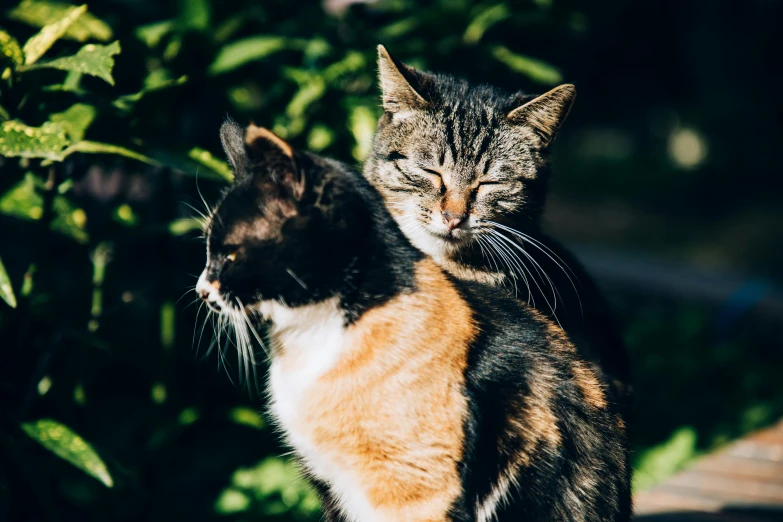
(108, 141)
(109, 129)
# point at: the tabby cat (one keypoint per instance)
(464, 170)
(407, 395)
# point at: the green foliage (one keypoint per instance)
(272, 487)
(23, 200)
(75, 120)
(36, 46)
(19, 140)
(63, 442)
(205, 158)
(94, 147)
(92, 59)
(241, 52)
(107, 150)
(536, 70)
(41, 14)
(10, 50)
(6, 290)
(655, 464)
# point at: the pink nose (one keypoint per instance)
(452, 219)
(205, 289)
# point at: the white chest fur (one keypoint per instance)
(306, 353)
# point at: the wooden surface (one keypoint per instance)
(741, 483)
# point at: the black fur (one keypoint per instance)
(337, 242)
(584, 478)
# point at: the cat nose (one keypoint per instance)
(452, 219)
(207, 290)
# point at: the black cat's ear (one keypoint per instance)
(544, 115)
(400, 84)
(273, 157)
(232, 136)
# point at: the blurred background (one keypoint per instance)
(666, 184)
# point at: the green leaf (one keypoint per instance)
(23, 201)
(69, 220)
(92, 59)
(482, 22)
(657, 463)
(241, 52)
(41, 42)
(10, 50)
(127, 101)
(40, 14)
(6, 290)
(536, 70)
(204, 157)
(182, 226)
(247, 417)
(362, 123)
(276, 485)
(152, 34)
(195, 14)
(94, 147)
(63, 442)
(19, 140)
(75, 120)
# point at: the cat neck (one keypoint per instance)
(480, 271)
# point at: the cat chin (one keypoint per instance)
(437, 245)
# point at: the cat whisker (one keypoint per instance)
(195, 328)
(209, 210)
(546, 251)
(187, 291)
(555, 293)
(194, 301)
(204, 217)
(295, 278)
(518, 270)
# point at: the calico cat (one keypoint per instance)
(464, 170)
(407, 395)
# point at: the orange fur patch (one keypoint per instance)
(396, 400)
(455, 205)
(254, 133)
(588, 383)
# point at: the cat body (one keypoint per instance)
(407, 394)
(464, 170)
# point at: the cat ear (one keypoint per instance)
(398, 84)
(232, 136)
(272, 156)
(545, 114)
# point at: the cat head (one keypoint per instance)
(280, 231)
(454, 160)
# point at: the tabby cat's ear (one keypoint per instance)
(544, 115)
(399, 84)
(273, 158)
